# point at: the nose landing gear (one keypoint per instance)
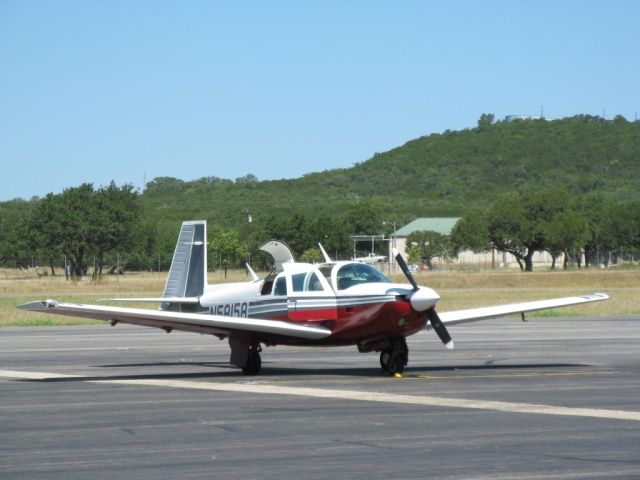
(394, 358)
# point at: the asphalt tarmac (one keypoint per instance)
(548, 399)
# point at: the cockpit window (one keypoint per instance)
(280, 288)
(298, 282)
(356, 273)
(306, 282)
(313, 283)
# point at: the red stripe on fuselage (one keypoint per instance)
(314, 314)
(359, 322)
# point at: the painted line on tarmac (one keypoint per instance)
(458, 376)
(473, 376)
(20, 375)
(361, 396)
(424, 400)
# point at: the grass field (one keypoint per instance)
(457, 290)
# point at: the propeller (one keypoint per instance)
(439, 327)
(420, 301)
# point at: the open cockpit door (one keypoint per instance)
(280, 253)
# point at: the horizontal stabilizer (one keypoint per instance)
(184, 300)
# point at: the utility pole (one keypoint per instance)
(392, 243)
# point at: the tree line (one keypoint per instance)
(551, 220)
(84, 229)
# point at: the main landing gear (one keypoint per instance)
(245, 353)
(254, 362)
(394, 358)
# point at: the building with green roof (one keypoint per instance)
(441, 225)
(444, 225)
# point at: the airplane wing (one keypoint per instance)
(484, 313)
(192, 322)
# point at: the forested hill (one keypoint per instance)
(438, 174)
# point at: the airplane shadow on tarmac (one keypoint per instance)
(269, 371)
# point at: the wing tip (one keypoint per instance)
(38, 305)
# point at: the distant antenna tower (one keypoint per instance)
(144, 181)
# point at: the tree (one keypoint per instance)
(423, 246)
(312, 255)
(364, 219)
(295, 231)
(249, 180)
(226, 249)
(517, 222)
(471, 233)
(44, 231)
(485, 120)
(81, 222)
(14, 244)
(508, 227)
(565, 233)
(599, 238)
(115, 216)
(623, 223)
(334, 235)
(70, 217)
(165, 185)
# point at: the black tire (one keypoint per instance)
(385, 356)
(254, 363)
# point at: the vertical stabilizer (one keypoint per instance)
(188, 273)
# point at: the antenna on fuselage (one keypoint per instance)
(252, 273)
(327, 258)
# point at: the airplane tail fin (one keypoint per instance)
(188, 273)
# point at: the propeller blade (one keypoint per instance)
(439, 327)
(405, 269)
(432, 315)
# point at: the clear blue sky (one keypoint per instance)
(94, 91)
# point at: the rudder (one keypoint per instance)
(188, 272)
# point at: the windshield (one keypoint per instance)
(356, 273)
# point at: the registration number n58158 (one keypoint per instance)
(239, 309)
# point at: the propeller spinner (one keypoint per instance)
(421, 300)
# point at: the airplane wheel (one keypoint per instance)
(394, 358)
(254, 363)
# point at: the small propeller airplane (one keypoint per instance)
(334, 303)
